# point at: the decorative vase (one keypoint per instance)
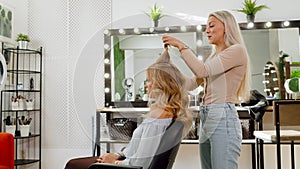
(250, 18)
(23, 44)
(155, 23)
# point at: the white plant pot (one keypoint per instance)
(23, 44)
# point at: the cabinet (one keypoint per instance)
(21, 103)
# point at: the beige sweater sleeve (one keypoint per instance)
(226, 60)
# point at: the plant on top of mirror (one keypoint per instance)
(155, 14)
(22, 37)
(250, 8)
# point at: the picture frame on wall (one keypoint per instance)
(6, 23)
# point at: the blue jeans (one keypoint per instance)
(220, 136)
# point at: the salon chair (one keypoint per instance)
(6, 151)
(257, 107)
(165, 154)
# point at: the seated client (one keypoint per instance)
(168, 102)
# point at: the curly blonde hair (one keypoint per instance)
(168, 89)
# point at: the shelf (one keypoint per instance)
(23, 51)
(24, 71)
(20, 110)
(25, 161)
(24, 77)
(184, 141)
(112, 141)
(21, 91)
(30, 136)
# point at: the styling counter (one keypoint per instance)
(132, 112)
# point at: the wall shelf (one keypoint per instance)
(21, 103)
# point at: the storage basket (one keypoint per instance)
(121, 128)
(247, 128)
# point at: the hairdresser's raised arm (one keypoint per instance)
(196, 65)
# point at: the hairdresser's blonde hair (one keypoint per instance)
(233, 36)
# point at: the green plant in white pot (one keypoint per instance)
(22, 40)
(292, 85)
(250, 8)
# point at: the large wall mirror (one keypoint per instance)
(128, 52)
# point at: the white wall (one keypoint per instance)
(278, 9)
(70, 32)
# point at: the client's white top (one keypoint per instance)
(145, 141)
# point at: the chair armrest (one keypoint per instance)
(112, 166)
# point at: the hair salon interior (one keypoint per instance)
(71, 40)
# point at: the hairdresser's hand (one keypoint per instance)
(108, 158)
(173, 41)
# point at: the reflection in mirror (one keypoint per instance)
(272, 80)
(263, 45)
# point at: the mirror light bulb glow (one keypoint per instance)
(250, 25)
(106, 90)
(106, 61)
(268, 24)
(106, 75)
(286, 23)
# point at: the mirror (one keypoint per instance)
(128, 52)
(3, 71)
(263, 45)
(133, 51)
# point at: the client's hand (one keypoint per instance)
(108, 158)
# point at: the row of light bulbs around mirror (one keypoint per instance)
(268, 24)
(137, 31)
(268, 67)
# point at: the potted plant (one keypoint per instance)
(155, 14)
(22, 40)
(250, 8)
(292, 85)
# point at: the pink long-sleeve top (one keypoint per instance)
(222, 73)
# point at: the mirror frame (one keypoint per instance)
(198, 29)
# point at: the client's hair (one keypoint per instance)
(168, 90)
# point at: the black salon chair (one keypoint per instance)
(257, 107)
(165, 154)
